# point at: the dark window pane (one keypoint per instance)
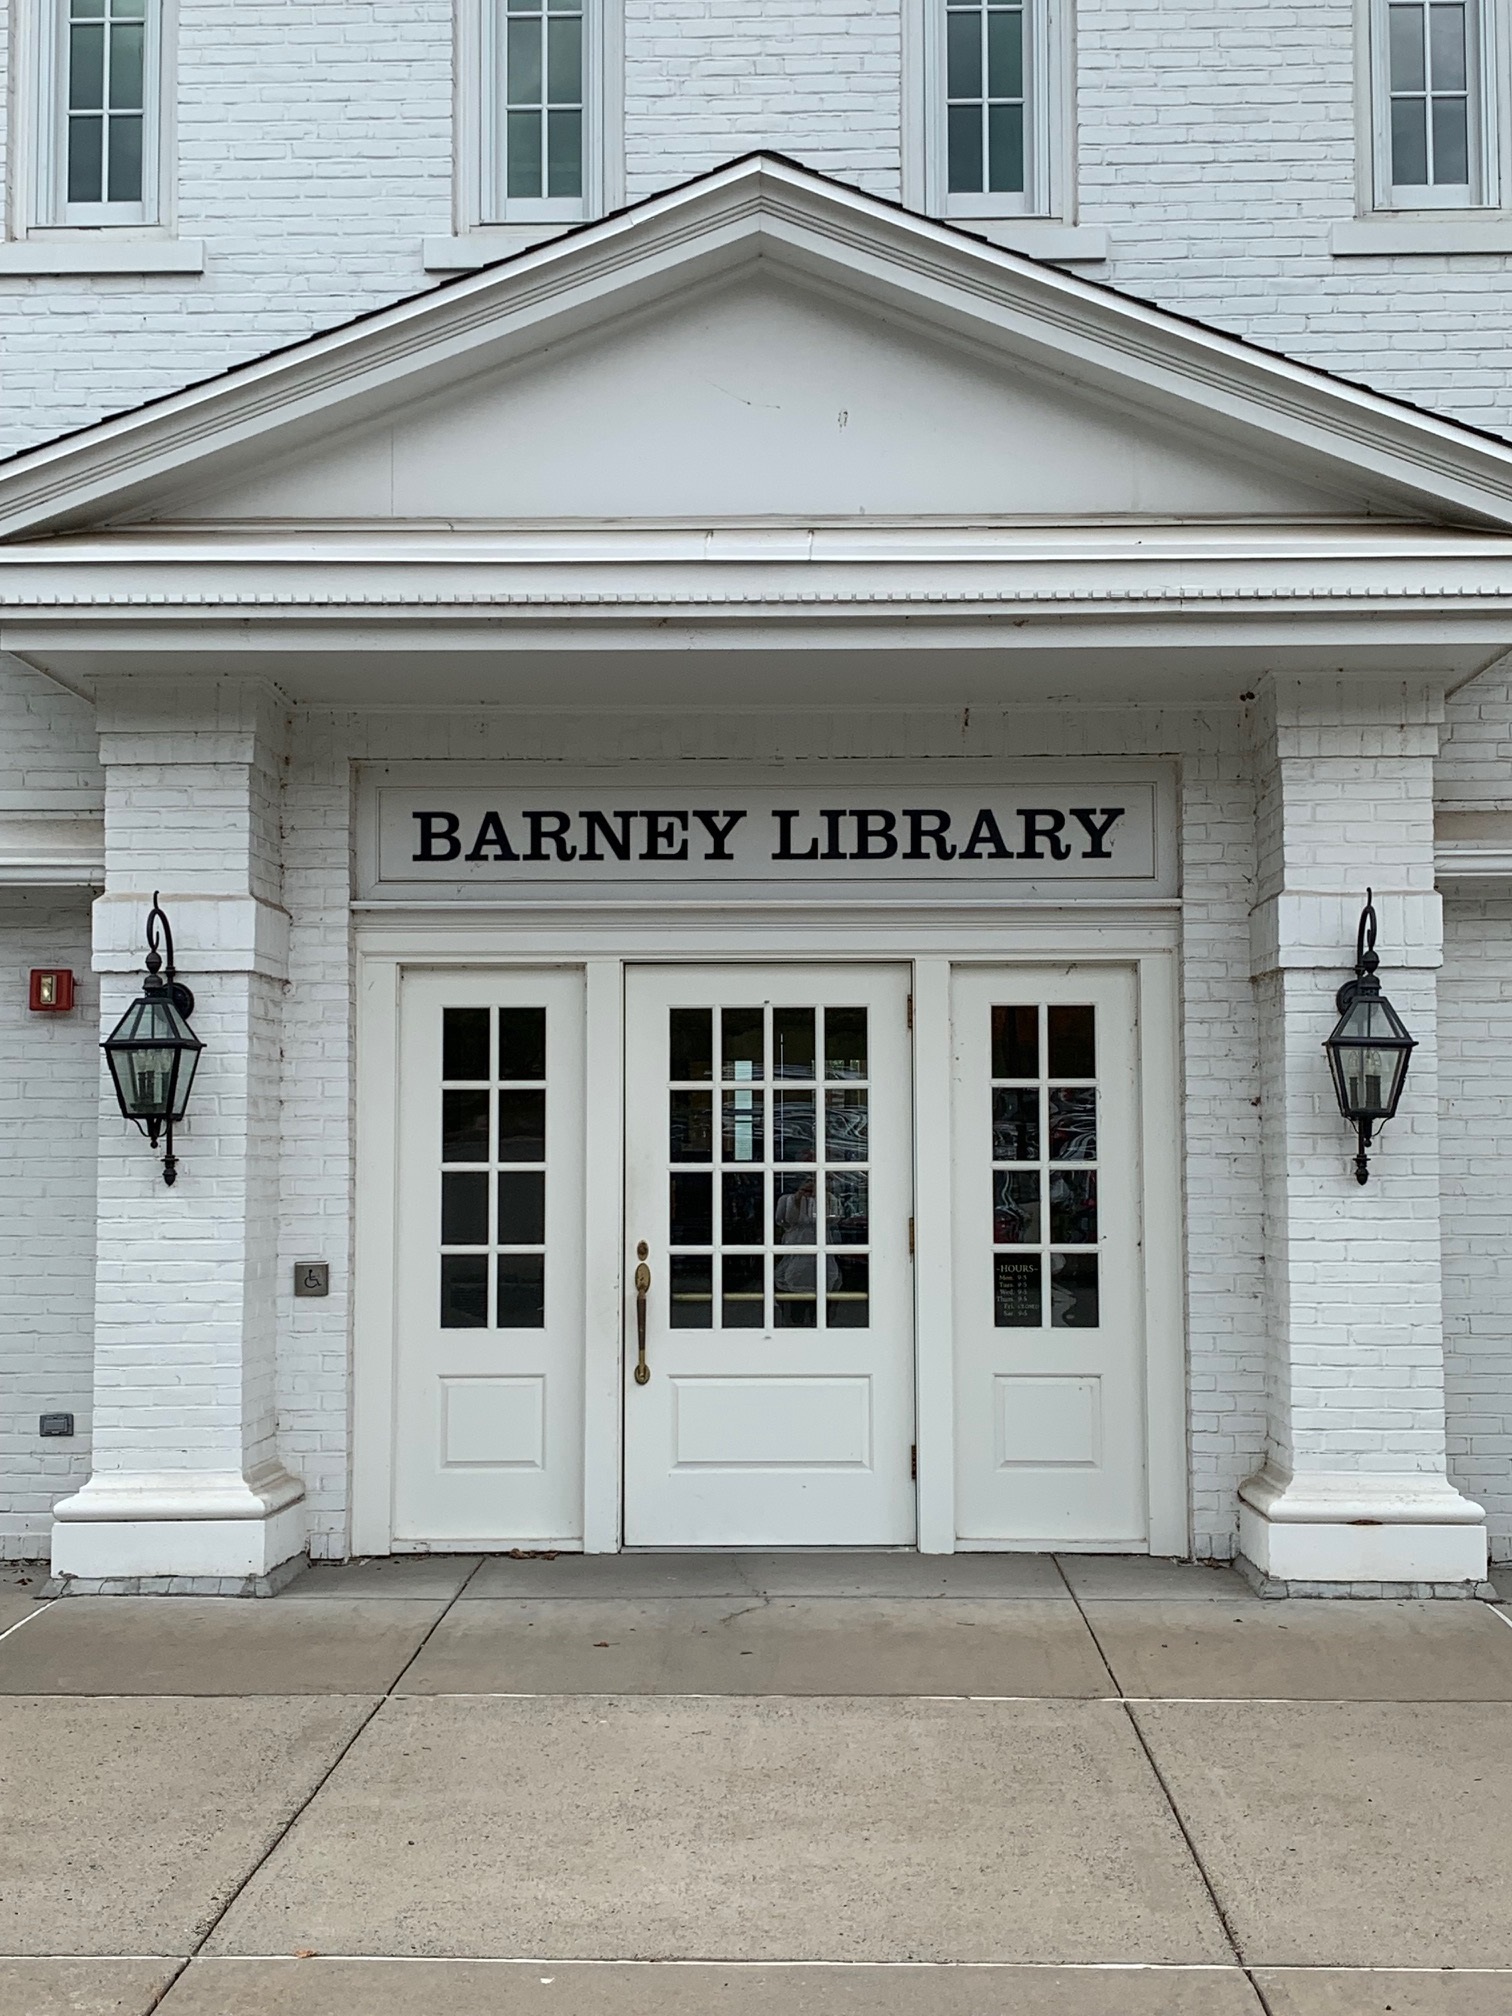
(963, 129)
(845, 1138)
(1406, 45)
(522, 1126)
(522, 1207)
(564, 62)
(522, 1042)
(1446, 42)
(86, 142)
(523, 170)
(795, 1216)
(691, 1220)
(1005, 53)
(522, 1291)
(1073, 1291)
(845, 1042)
(744, 1291)
(1005, 149)
(744, 1201)
(793, 1300)
(793, 1127)
(86, 68)
(744, 1139)
(847, 1306)
(523, 55)
(1073, 1207)
(464, 1291)
(126, 50)
(1073, 1043)
(1073, 1124)
(963, 54)
(690, 1052)
(1015, 1123)
(692, 1296)
(1016, 1207)
(1409, 141)
(792, 1042)
(564, 154)
(691, 1132)
(1015, 1042)
(464, 1126)
(741, 1038)
(464, 1043)
(1451, 140)
(90, 10)
(464, 1209)
(847, 1223)
(1016, 1291)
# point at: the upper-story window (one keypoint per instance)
(542, 92)
(101, 113)
(1434, 120)
(993, 80)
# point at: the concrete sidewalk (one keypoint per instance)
(836, 1785)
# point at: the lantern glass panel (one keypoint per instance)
(152, 1053)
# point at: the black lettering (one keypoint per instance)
(872, 826)
(491, 834)
(619, 844)
(1043, 825)
(930, 826)
(986, 840)
(436, 826)
(783, 851)
(833, 851)
(719, 833)
(662, 829)
(1097, 832)
(555, 832)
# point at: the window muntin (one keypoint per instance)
(1431, 115)
(101, 140)
(539, 90)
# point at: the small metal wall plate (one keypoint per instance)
(312, 1277)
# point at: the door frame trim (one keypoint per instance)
(1144, 937)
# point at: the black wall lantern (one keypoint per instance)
(1368, 1051)
(152, 1052)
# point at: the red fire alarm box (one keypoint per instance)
(52, 990)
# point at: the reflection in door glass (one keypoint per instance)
(1042, 1209)
(774, 1169)
(493, 1175)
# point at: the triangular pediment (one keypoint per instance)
(763, 344)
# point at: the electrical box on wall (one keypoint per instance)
(52, 990)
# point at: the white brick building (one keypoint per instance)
(914, 723)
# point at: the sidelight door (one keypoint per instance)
(1050, 1403)
(768, 1201)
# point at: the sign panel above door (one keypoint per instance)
(710, 831)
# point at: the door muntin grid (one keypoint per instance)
(493, 1168)
(769, 1148)
(1045, 1271)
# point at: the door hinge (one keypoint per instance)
(910, 1239)
(913, 1461)
(910, 1011)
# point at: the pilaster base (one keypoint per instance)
(179, 1526)
(1360, 1534)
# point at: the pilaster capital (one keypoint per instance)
(1315, 930)
(211, 934)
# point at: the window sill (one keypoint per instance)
(481, 247)
(1438, 233)
(93, 253)
(1041, 238)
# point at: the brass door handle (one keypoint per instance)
(642, 1289)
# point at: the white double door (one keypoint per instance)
(768, 1195)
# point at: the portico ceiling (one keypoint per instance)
(762, 438)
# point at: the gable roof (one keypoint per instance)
(1408, 461)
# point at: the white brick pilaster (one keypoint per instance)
(1354, 1488)
(186, 1479)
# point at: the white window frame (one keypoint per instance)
(1048, 126)
(1486, 47)
(39, 197)
(481, 202)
